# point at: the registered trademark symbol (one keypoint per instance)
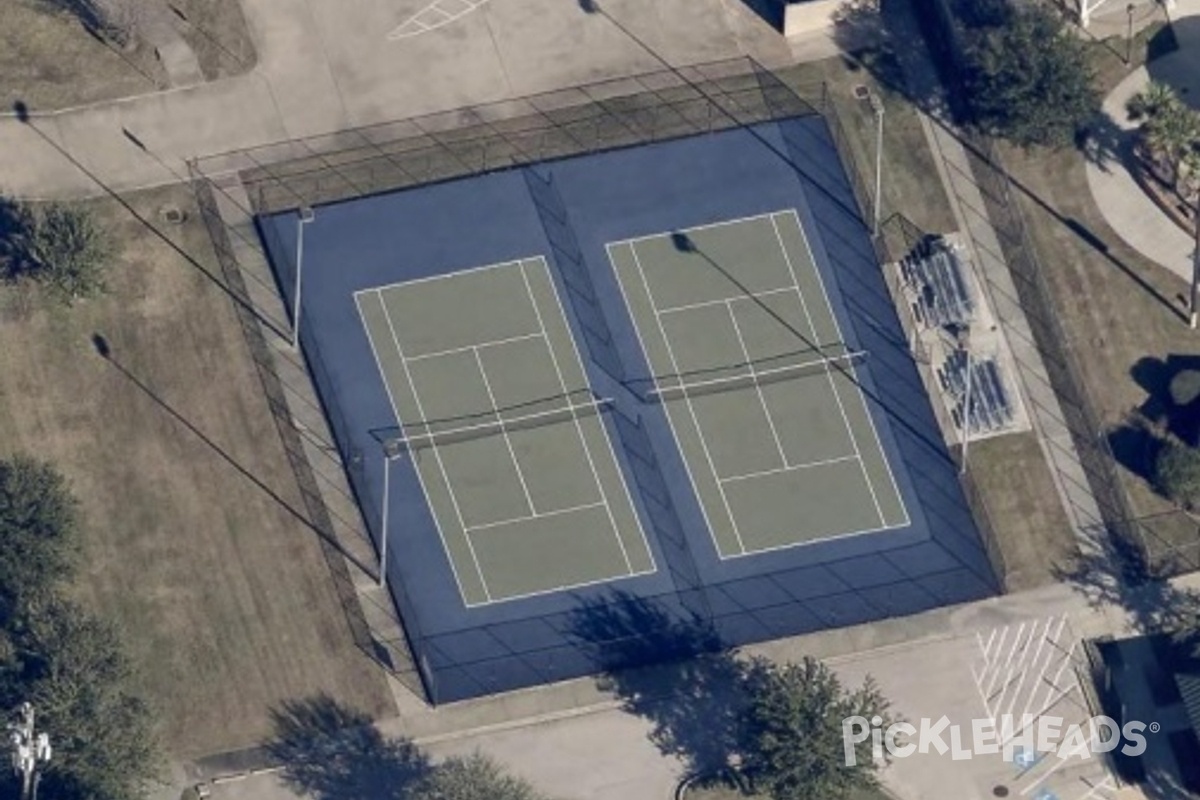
(1155, 727)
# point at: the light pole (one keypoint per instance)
(877, 107)
(29, 751)
(392, 449)
(304, 215)
(1194, 312)
(1129, 35)
(964, 343)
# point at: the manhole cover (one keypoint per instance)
(172, 215)
(1000, 791)
(862, 91)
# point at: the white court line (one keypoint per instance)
(691, 410)
(420, 478)
(737, 329)
(494, 343)
(829, 373)
(436, 454)
(789, 468)
(439, 277)
(610, 248)
(707, 227)
(739, 296)
(509, 598)
(578, 424)
(504, 433)
(837, 326)
(542, 515)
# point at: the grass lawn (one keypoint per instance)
(192, 536)
(1010, 472)
(49, 61)
(1033, 531)
(1115, 306)
(907, 161)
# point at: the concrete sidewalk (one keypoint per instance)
(322, 69)
(1127, 209)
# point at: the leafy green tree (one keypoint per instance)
(60, 247)
(1169, 132)
(794, 747)
(71, 666)
(1177, 473)
(475, 777)
(39, 540)
(1030, 79)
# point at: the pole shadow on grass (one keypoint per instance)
(328, 751)
(104, 349)
(671, 668)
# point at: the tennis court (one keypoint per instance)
(760, 388)
(509, 443)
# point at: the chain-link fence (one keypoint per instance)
(1168, 543)
(633, 111)
(641, 109)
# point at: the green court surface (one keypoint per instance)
(509, 443)
(739, 334)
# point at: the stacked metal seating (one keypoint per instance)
(990, 407)
(934, 273)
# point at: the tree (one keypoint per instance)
(1177, 473)
(60, 247)
(475, 777)
(38, 532)
(329, 751)
(70, 665)
(1170, 132)
(1030, 80)
(794, 748)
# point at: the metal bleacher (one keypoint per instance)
(990, 407)
(934, 274)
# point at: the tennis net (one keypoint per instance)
(421, 436)
(757, 377)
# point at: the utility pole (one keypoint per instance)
(1194, 312)
(304, 216)
(877, 107)
(964, 343)
(392, 449)
(1129, 34)
(29, 751)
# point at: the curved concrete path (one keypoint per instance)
(325, 66)
(1126, 208)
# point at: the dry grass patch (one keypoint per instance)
(1116, 307)
(195, 537)
(48, 61)
(1032, 529)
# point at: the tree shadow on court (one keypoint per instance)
(328, 751)
(670, 667)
